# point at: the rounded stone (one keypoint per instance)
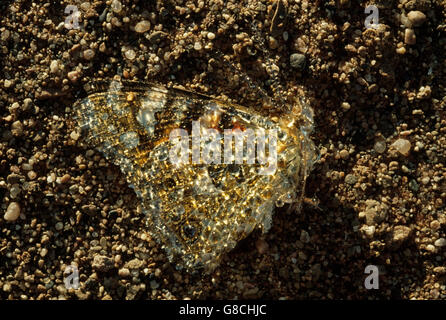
(440, 242)
(7, 83)
(416, 17)
(73, 76)
(142, 26)
(345, 106)
(89, 54)
(211, 35)
(32, 175)
(130, 54)
(351, 179)
(4, 36)
(12, 212)
(344, 154)
(380, 146)
(298, 61)
(124, 272)
(116, 6)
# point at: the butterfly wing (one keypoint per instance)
(197, 210)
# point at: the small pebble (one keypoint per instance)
(51, 178)
(73, 76)
(401, 50)
(351, 179)
(380, 146)
(5, 35)
(85, 6)
(102, 263)
(273, 43)
(14, 191)
(402, 146)
(416, 17)
(17, 128)
(345, 106)
(124, 272)
(142, 26)
(13, 212)
(409, 37)
(116, 6)
(211, 35)
(7, 83)
(198, 46)
(89, 54)
(59, 226)
(344, 154)
(401, 233)
(54, 66)
(7, 287)
(298, 61)
(43, 252)
(369, 231)
(130, 54)
(32, 175)
(440, 242)
(14, 107)
(74, 135)
(435, 225)
(65, 178)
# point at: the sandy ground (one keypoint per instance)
(378, 191)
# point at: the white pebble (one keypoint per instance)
(74, 135)
(402, 146)
(142, 26)
(7, 83)
(54, 66)
(440, 242)
(130, 54)
(116, 6)
(13, 212)
(124, 272)
(198, 46)
(211, 35)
